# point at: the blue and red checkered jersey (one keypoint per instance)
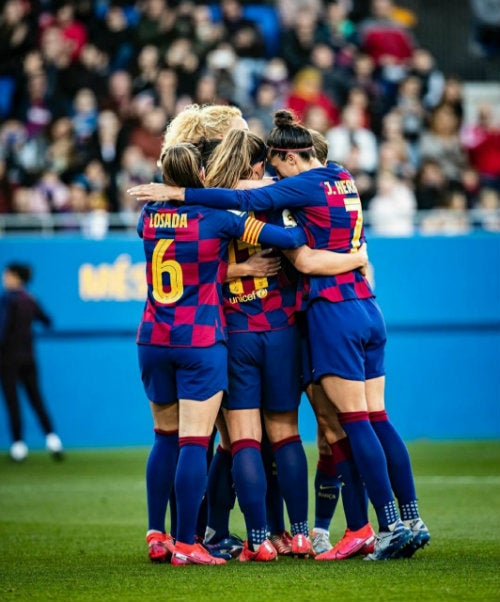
(260, 304)
(326, 204)
(186, 262)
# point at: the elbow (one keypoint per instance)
(304, 266)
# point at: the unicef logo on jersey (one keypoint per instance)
(258, 294)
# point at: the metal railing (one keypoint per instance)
(100, 224)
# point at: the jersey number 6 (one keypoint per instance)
(172, 268)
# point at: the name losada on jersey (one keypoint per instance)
(168, 220)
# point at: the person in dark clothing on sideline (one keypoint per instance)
(18, 310)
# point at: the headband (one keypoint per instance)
(289, 150)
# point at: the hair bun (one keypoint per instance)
(283, 118)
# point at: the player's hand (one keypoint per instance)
(363, 257)
(156, 192)
(259, 265)
(148, 192)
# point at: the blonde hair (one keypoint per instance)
(197, 123)
(181, 166)
(234, 158)
(217, 119)
(320, 144)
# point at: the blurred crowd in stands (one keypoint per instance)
(88, 87)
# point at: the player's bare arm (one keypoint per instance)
(144, 193)
(258, 265)
(318, 262)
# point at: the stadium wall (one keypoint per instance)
(440, 297)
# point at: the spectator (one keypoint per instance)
(440, 141)
(423, 66)
(49, 195)
(300, 38)
(405, 153)
(182, 59)
(409, 106)
(393, 208)
(119, 98)
(431, 184)
(245, 37)
(335, 82)
(17, 38)
(107, 146)
(147, 135)
(488, 210)
(114, 36)
(135, 169)
(358, 97)
(62, 155)
(306, 91)
(72, 30)
(485, 28)
(471, 185)
(341, 29)
(6, 192)
(482, 143)
(387, 42)
(37, 107)
(146, 70)
(166, 91)
(363, 76)
(316, 118)
(451, 218)
(351, 137)
(264, 106)
(84, 115)
(155, 25)
(453, 95)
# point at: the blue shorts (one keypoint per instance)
(264, 370)
(347, 339)
(172, 373)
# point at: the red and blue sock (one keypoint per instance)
(354, 496)
(326, 491)
(220, 495)
(160, 474)
(370, 459)
(291, 465)
(250, 483)
(399, 464)
(190, 484)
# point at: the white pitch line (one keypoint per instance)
(458, 480)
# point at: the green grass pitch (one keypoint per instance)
(74, 531)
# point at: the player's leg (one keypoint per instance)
(158, 378)
(327, 484)
(201, 378)
(399, 464)
(8, 378)
(28, 376)
(220, 499)
(278, 535)
(339, 361)
(358, 537)
(243, 420)
(160, 473)
(281, 399)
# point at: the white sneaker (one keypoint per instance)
(54, 445)
(18, 451)
(391, 544)
(320, 540)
